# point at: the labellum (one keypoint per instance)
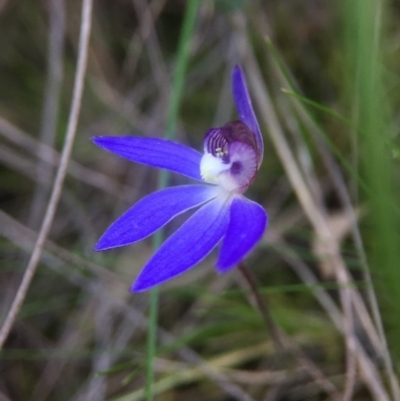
(230, 157)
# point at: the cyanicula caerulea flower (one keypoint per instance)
(231, 159)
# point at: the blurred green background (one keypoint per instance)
(324, 79)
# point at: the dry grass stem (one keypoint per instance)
(61, 172)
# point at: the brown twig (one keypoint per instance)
(61, 172)
(262, 305)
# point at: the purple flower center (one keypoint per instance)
(217, 140)
(236, 168)
(230, 157)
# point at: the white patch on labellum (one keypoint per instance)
(234, 176)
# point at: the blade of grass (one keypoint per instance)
(318, 132)
(293, 91)
(319, 107)
(313, 213)
(172, 118)
(364, 27)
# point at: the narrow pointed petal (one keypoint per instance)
(247, 224)
(154, 152)
(190, 244)
(245, 108)
(152, 213)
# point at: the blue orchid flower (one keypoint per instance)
(231, 159)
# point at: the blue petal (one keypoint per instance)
(246, 226)
(154, 152)
(191, 243)
(152, 213)
(245, 108)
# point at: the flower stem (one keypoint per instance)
(262, 305)
(281, 340)
(172, 117)
(152, 335)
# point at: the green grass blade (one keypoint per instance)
(364, 21)
(294, 92)
(172, 117)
